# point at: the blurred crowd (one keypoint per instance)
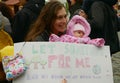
(36, 20)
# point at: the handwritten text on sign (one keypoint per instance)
(52, 62)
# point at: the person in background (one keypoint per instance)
(74, 5)
(6, 11)
(80, 12)
(86, 5)
(5, 40)
(7, 25)
(52, 19)
(103, 21)
(8, 16)
(117, 10)
(13, 4)
(25, 17)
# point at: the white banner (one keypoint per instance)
(77, 63)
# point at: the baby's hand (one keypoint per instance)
(99, 42)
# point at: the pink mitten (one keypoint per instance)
(97, 42)
(54, 38)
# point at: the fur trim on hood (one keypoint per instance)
(78, 20)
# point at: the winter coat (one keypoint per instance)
(43, 36)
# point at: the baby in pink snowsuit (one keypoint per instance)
(78, 30)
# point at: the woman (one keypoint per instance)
(52, 19)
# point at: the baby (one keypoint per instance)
(78, 30)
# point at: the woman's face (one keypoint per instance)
(60, 22)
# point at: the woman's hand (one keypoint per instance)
(83, 14)
(64, 81)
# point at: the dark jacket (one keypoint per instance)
(24, 18)
(43, 36)
(87, 5)
(104, 22)
(74, 7)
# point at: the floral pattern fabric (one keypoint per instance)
(13, 66)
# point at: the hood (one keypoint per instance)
(78, 20)
(35, 5)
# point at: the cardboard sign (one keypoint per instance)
(77, 63)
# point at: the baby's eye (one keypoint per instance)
(79, 32)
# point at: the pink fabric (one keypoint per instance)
(70, 39)
(78, 20)
(97, 42)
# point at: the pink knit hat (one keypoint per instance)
(78, 27)
(75, 20)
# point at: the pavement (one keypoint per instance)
(116, 67)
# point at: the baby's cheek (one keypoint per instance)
(81, 35)
(75, 34)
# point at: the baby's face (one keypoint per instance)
(78, 33)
